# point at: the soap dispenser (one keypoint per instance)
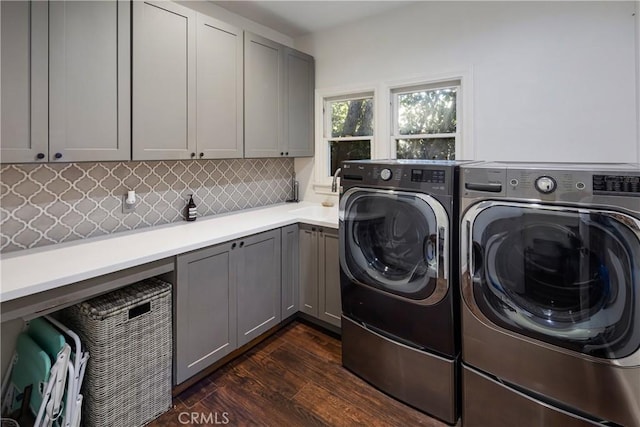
(192, 211)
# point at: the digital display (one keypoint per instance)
(624, 184)
(434, 176)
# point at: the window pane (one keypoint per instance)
(426, 148)
(348, 150)
(427, 111)
(352, 118)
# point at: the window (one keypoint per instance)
(425, 121)
(348, 128)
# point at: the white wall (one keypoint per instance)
(551, 81)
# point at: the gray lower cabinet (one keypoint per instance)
(225, 296)
(205, 309)
(65, 81)
(320, 273)
(308, 268)
(290, 271)
(329, 301)
(258, 271)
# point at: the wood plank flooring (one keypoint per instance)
(294, 378)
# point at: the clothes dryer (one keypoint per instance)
(550, 280)
(398, 259)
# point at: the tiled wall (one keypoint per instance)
(42, 204)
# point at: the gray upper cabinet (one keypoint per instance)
(24, 49)
(259, 284)
(65, 81)
(164, 81)
(89, 78)
(205, 295)
(290, 271)
(220, 60)
(298, 103)
(278, 114)
(263, 98)
(187, 84)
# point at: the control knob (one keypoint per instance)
(546, 184)
(385, 174)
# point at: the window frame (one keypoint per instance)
(383, 143)
(413, 87)
(322, 181)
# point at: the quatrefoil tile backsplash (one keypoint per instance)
(43, 204)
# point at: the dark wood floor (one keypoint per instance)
(294, 378)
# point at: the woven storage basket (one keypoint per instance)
(128, 335)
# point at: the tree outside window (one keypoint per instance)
(425, 124)
(348, 129)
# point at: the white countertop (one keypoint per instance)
(31, 271)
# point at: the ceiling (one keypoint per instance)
(297, 18)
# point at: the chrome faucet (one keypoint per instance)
(334, 183)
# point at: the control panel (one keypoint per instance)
(408, 177)
(434, 176)
(569, 184)
(623, 185)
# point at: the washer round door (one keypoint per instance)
(395, 242)
(565, 276)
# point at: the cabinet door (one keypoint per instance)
(308, 270)
(263, 100)
(290, 262)
(164, 81)
(329, 306)
(89, 76)
(258, 270)
(220, 90)
(205, 309)
(298, 109)
(24, 51)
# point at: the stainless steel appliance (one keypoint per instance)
(550, 277)
(398, 225)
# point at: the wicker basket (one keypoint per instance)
(128, 335)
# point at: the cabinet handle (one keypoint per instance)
(241, 244)
(282, 153)
(40, 156)
(286, 154)
(233, 246)
(201, 155)
(193, 155)
(320, 230)
(313, 229)
(58, 155)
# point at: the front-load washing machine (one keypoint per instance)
(398, 259)
(550, 284)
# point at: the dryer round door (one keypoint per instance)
(565, 276)
(395, 242)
